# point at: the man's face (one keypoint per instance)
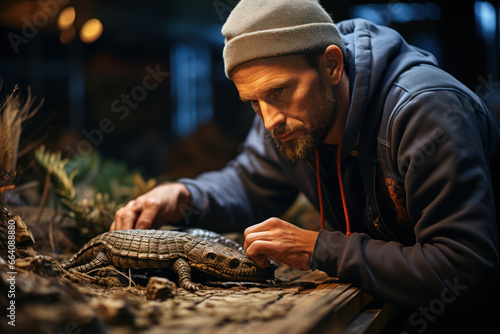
(298, 106)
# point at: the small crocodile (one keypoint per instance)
(178, 251)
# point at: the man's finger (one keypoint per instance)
(266, 225)
(257, 227)
(133, 205)
(256, 251)
(262, 261)
(127, 220)
(124, 216)
(149, 212)
(255, 236)
(117, 223)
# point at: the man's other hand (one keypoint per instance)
(160, 205)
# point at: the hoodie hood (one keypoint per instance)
(376, 57)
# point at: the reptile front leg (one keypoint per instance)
(182, 268)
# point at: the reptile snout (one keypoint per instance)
(249, 263)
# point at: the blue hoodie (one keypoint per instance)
(417, 153)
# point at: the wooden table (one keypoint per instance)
(304, 302)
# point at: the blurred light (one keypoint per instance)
(191, 87)
(370, 12)
(486, 21)
(402, 12)
(91, 30)
(66, 18)
(67, 35)
(399, 12)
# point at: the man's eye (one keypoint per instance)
(279, 90)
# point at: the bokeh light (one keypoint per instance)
(66, 18)
(91, 30)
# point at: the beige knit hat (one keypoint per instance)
(258, 29)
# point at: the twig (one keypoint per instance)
(118, 272)
(10, 96)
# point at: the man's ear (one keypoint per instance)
(335, 64)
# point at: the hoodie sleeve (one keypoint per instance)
(251, 188)
(440, 147)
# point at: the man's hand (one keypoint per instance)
(160, 205)
(285, 242)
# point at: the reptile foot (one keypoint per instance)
(190, 286)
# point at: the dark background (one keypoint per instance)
(192, 121)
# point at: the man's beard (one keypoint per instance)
(320, 121)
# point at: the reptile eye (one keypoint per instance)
(234, 263)
(211, 256)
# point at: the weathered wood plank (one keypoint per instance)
(332, 306)
(309, 302)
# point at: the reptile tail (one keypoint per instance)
(79, 258)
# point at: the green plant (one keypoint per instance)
(92, 216)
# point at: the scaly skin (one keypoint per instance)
(215, 237)
(178, 251)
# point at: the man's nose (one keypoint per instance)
(272, 116)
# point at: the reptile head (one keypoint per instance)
(229, 264)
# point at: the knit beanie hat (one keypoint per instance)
(258, 29)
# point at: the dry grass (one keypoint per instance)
(13, 113)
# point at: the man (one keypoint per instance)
(415, 150)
